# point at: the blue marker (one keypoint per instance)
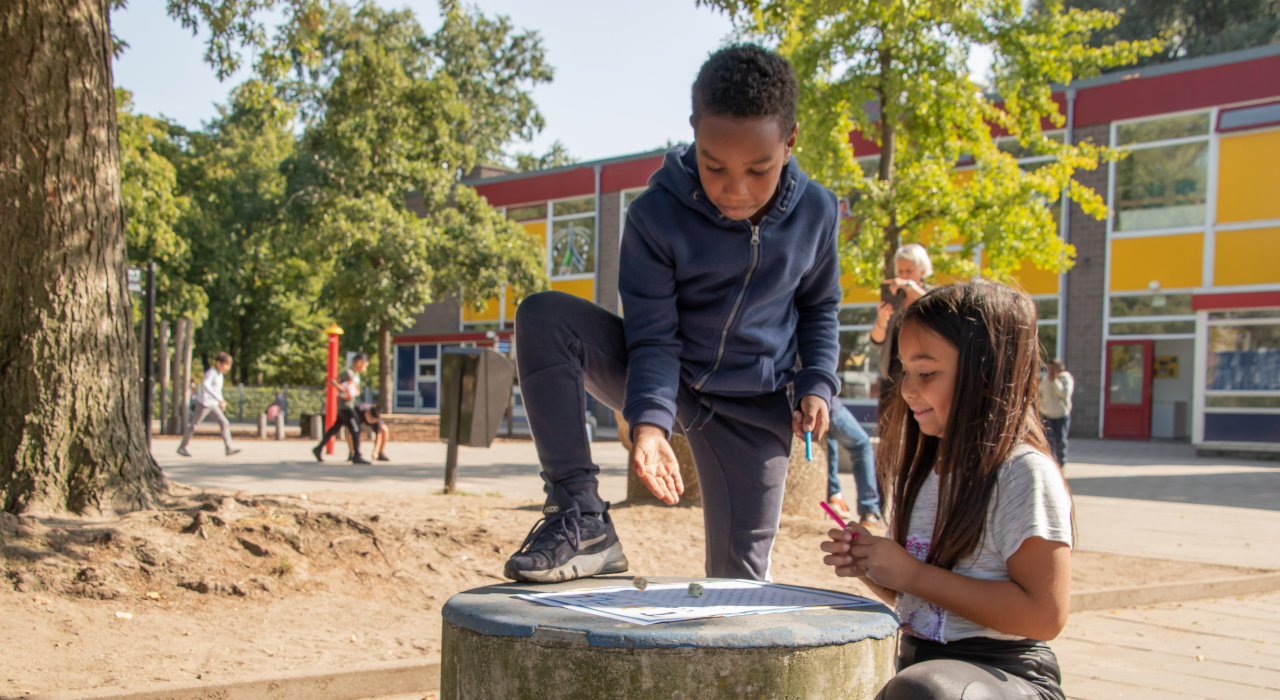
(808, 446)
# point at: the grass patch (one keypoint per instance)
(283, 567)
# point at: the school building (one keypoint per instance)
(1169, 321)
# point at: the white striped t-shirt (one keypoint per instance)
(1030, 500)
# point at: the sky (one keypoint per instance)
(622, 70)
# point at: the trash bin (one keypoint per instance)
(480, 401)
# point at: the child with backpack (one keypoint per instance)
(977, 559)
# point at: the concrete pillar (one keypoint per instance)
(496, 646)
(317, 426)
(280, 425)
(262, 425)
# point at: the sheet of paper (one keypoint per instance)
(671, 602)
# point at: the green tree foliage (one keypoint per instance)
(896, 71)
(397, 110)
(154, 209)
(262, 277)
(556, 156)
(1191, 27)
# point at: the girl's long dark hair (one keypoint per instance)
(993, 411)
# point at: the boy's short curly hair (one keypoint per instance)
(745, 80)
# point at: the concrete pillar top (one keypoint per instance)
(492, 611)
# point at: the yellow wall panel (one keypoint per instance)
(1173, 261)
(853, 294)
(1249, 177)
(511, 305)
(538, 230)
(583, 288)
(1247, 257)
(1036, 281)
(490, 313)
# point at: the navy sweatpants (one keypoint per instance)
(740, 445)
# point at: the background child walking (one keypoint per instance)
(209, 402)
(978, 555)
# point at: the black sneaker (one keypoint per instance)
(360, 460)
(318, 452)
(382, 457)
(566, 544)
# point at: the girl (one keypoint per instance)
(977, 558)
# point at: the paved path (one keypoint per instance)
(1155, 652)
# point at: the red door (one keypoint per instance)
(1127, 414)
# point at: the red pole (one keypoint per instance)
(330, 391)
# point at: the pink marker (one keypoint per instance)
(836, 518)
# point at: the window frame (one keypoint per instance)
(552, 219)
(1201, 386)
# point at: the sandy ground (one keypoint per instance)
(218, 586)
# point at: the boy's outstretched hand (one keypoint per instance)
(656, 463)
(814, 415)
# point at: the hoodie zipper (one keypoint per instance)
(737, 303)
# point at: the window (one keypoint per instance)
(527, 212)
(1249, 117)
(1013, 147)
(1244, 357)
(1047, 326)
(573, 237)
(859, 363)
(628, 197)
(1151, 314)
(1163, 182)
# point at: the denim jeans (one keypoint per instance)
(845, 430)
(1055, 431)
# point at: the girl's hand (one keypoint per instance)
(885, 562)
(838, 551)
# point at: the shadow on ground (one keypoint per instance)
(1259, 490)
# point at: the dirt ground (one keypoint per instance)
(218, 586)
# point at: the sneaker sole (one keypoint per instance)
(609, 561)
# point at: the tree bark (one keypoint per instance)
(71, 433)
(386, 388)
(888, 148)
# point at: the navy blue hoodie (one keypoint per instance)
(723, 306)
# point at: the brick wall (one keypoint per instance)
(607, 262)
(1086, 295)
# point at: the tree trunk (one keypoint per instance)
(386, 387)
(888, 148)
(71, 433)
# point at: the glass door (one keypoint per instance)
(1127, 409)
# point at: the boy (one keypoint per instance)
(348, 384)
(209, 401)
(369, 415)
(731, 287)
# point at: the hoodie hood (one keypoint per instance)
(679, 176)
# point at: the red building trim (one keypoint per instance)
(1139, 97)
(567, 183)
(1236, 300)
(449, 338)
(628, 175)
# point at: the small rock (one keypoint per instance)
(228, 503)
(695, 590)
(303, 496)
(238, 589)
(254, 548)
(640, 582)
(1199, 657)
(153, 595)
(124, 615)
(218, 520)
(45, 601)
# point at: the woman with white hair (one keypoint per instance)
(912, 267)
